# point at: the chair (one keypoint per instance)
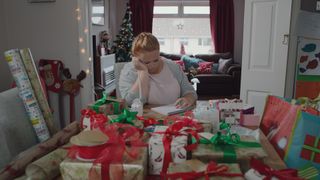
(16, 131)
(117, 70)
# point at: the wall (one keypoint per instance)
(5, 76)
(238, 29)
(51, 31)
(297, 6)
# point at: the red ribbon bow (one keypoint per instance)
(121, 137)
(96, 120)
(282, 174)
(213, 169)
(173, 131)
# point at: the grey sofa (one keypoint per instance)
(16, 132)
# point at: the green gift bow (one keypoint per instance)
(103, 101)
(226, 143)
(126, 117)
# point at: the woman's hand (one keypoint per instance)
(138, 65)
(185, 101)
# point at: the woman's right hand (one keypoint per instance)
(139, 65)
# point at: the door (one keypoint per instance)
(265, 48)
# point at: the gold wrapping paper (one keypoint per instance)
(198, 166)
(46, 167)
(134, 169)
(209, 152)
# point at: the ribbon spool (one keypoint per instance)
(89, 144)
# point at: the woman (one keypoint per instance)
(162, 81)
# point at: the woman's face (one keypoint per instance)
(152, 60)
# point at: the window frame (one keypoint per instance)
(180, 5)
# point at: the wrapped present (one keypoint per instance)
(170, 144)
(90, 120)
(157, 152)
(261, 171)
(126, 117)
(250, 120)
(227, 147)
(131, 169)
(304, 145)
(107, 105)
(113, 152)
(195, 169)
(207, 117)
(277, 122)
(134, 169)
(46, 167)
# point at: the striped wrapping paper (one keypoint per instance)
(26, 93)
(36, 86)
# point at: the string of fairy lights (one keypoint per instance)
(83, 36)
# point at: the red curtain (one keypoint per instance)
(222, 25)
(142, 15)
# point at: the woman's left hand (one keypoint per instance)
(184, 102)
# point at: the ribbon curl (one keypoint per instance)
(282, 174)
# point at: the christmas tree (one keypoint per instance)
(123, 43)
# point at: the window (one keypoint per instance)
(161, 41)
(186, 23)
(204, 42)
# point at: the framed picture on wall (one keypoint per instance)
(97, 17)
(40, 1)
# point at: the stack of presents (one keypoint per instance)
(212, 141)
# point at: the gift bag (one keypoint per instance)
(304, 146)
(277, 122)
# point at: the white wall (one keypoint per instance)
(51, 31)
(5, 76)
(238, 29)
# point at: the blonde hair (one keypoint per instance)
(145, 42)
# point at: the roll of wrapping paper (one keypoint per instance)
(26, 93)
(36, 85)
(47, 167)
(18, 165)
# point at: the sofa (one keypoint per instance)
(215, 84)
(16, 132)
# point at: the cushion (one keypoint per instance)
(213, 57)
(205, 68)
(181, 64)
(224, 65)
(190, 62)
(215, 67)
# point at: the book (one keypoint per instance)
(170, 109)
